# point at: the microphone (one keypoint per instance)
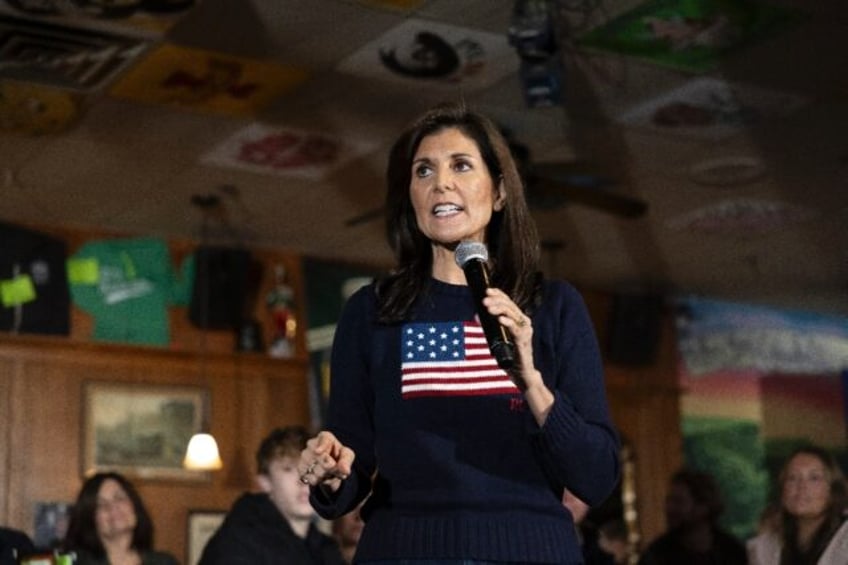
(471, 257)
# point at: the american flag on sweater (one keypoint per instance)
(449, 359)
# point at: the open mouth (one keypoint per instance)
(441, 210)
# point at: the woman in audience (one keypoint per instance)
(812, 529)
(110, 526)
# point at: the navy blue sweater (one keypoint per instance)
(461, 469)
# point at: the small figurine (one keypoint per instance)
(280, 304)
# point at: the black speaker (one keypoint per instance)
(221, 280)
(634, 328)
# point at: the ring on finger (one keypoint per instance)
(521, 322)
(311, 468)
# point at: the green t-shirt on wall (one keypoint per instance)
(126, 285)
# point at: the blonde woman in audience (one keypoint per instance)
(812, 527)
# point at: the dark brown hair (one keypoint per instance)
(281, 442)
(510, 236)
(704, 490)
(82, 528)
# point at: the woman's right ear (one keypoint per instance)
(500, 196)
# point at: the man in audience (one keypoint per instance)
(276, 525)
(693, 537)
(587, 533)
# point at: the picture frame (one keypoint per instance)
(202, 524)
(141, 430)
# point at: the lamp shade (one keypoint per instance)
(202, 453)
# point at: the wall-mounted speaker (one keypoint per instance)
(221, 282)
(634, 329)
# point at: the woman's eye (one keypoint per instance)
(462, 166)
(422, 171)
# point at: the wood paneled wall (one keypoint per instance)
(645, 406)
(42, 385)
(42, 413)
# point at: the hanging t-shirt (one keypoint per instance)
(34, 295)
(126, 285)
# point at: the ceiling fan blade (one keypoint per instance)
(587, 189)
(600, 198)
(365, 217)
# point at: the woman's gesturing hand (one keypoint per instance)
(325, 461)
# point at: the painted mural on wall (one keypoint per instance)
(717, 335)
(758, 382)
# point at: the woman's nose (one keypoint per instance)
(445, 180)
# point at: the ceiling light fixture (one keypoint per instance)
(202, 452)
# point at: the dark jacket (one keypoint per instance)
(667, 550)
(11, 540)
(255, 533)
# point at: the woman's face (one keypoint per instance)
(806, 488)
(451, 190)
(115, 514)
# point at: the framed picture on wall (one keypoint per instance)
(201, 525)
(141, 430)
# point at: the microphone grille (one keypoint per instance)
(468, 250)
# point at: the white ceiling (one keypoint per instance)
(134, 167)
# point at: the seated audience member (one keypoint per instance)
(612, 540)
(12, 543)
(109, 525)
(346, 530)
(812, 528)
(587, 534)
(276, 525)
(693, 536)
